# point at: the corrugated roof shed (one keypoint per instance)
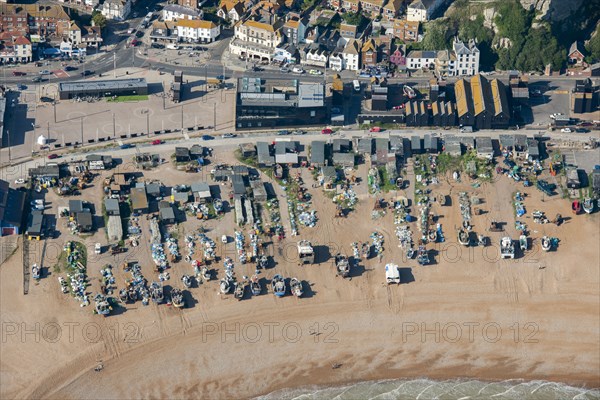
(114, 228)
(329, 173)
(75, 206)
(139, 201)
(167, 214)
(365, 146)
(201, 189)
(533, 147)
(341, 145)
(484, 145)
(317, 152)
(506, 140)
(415, 143)
(112, 206)
(343, 159)
(84, 219)
(431, 143)
(264, 153)
(239, 186)
(259, 192)
(35, 223)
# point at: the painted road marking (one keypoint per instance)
(59, 73)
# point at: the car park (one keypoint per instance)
(207, 137)
(157, 46)
(315, 72)
(283, 132)
(19, 73)
(37, 79)
(326, 131)
(582, 130)
(298, 70)
(228, 135)
(87, 72)
(69, 68)
(52, 156)
(45, 72)
(566, 130)
(126, 146)
(20, 181)
(156, 142)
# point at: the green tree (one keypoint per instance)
(436, 36)
(539, 49)
(593, 46)
(99, 19)
(512, 20)
(353, 18)
(474, 29)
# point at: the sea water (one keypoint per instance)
(426, 389)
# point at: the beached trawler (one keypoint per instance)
(481, 240)
(306, 253)
(588, 205)
(296, 287)
(123, 296)
(36, 272)
(507, 249)
(205, 272)
(278, 285)
(523, 242)
(546, 243)
(238, 290)
(156, 292)
(278, 171)
(422, 256)
(365, 251)
(255, 287)
(218, 206)
(102, 305)
(177, 298)
(409, 92)
(432, 235)
(64, 286)
(576, 207)
(410, 253)
(225, 285)
(463, 237)
(262, 262)
(342, 265)
(187, 281)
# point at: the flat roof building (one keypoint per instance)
(139, 200)
(12, 203)
(317, 153)
(104, 88)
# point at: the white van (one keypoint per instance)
(173, 46)
(356, 85)
(392, 274)
(98, 248)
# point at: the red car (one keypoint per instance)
(157, 141)
(19, 73)
(52, 156)
(326, 131)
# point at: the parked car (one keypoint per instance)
(285, 70)
(298, 70)
(20, 181)
(19, 73)
(98, 248)
(126, 146)
(582, 130)
(37, 79)
(224, 239)
(566, 130)
(157, 141)
(228, 135)
(52, 156)
(299, 132)
(315, 72)
(283, 132)
(87, 72)
(221, 77)
(376, 129)
(20, 86)
(326, 131)
(207, 137)
(46, 99)
(157, 46)
(45, 72)
(69, 68)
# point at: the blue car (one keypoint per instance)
(126, 146)
(207, 137)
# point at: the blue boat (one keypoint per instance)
(278, 285)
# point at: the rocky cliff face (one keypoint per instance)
(553, 10)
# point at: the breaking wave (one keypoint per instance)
(426, 389)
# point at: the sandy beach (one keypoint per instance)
(469, 315)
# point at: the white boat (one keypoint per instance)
(481, 240)
(64, 286)
(218, 205)
(507, 249)
(392, 274)
(262, 262)
(422, 256)
(278, 285)
(238, 291)
(546, 243)
(205, 273)
(177, 298)
(156, 292)
(187, 281)
(36, 272)
(409, 92)
(102, 305)
(342, 265)
(410, 253)
(523, 242)
(255, 287)
(123, 295)
(225, 286)
(463, 237)
(296, 287)
(588, 205)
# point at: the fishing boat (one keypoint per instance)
(123, 295)
(342, 265)
(278, 285)
(102, 305)
(576, 207)
(422, 256)
(432, 236)
(523, 242)
(441, 199)
(177, 298)
(296, 287)
(218, 205)
(228, 263)
(481, 240)
(156, 292)
(410, 253)
(463, 237)
(205, 274)
(507, 249)
(278, 171)
(262, 262)
(238, 291)
(546, 243)
(225, 286)
(588, 205)
(409, 92)
(365, 251)
(64, 286)
(187, 281)
(36, 272)
(255, 287)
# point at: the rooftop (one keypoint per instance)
(102, 85)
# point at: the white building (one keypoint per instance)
(418, 59)
(466, 59)
(116, 9)
(351, 56)
(197, 31)
(336, 61)
(316, 56)
(175, 12)
(19, 49)
(421, 10)
(253, 39)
